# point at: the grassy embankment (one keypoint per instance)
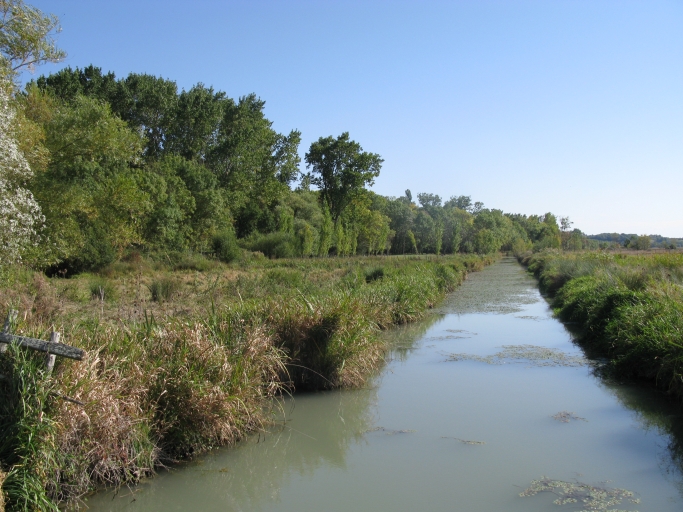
(184, 356)
(629, 308)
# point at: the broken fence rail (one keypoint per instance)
(52, 347)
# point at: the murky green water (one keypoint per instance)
(481, 399)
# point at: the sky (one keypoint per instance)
(573, 107)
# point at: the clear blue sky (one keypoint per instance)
(569, 106)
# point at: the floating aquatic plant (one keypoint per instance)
(567, 416)
(532, 355)
(465, 441)
(389, 431)
(590, 498)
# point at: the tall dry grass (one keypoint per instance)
(2, 494)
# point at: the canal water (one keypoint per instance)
(487, 405)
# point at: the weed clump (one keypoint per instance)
(589, 497)
(163, 289)
(101, 289)
(374, 274)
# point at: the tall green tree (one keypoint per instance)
(91, 192)
(253, 163)
(340, 169)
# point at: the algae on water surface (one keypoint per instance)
(588, 497)
(531, 355)
(493, 290)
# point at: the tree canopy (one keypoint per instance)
(26, 36)
(340, 169)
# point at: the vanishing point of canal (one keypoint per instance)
(485, 399)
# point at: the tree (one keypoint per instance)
(340, 169)
(461, 202)
(565, 224)
(253, 163)
(26, 37)
(642, 243)
(149, 104)
(20, 215)
(90, 193)
(25, 41)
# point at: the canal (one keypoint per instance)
(485, 405)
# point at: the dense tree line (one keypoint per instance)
(135, 163)
(95, 166)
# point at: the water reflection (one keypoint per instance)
(657, 412)
(316, 431)
(404, 339)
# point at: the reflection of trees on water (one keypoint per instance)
(318, 431)
(656, 411)
(403, 338)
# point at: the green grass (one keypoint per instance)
(176, 369)
(627, 307)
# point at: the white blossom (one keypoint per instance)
(20, 215)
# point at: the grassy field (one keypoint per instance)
(628, 307)
(185, 354)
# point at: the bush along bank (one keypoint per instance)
(629, 308)
(161, 387)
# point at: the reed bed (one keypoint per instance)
(628, 308)
(166, 379)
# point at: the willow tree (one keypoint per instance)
(26, 37)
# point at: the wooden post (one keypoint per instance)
(50, 358)
(9, 322)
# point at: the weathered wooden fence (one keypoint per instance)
(52, 347)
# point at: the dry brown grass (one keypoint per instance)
(152, 398)
(2, 494)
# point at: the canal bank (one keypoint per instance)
(486, 396)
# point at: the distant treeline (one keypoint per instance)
(632, 240)
(134, 164)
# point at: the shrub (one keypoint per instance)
(373, 274)
(225, 246)
(193, 261)
(274, 245)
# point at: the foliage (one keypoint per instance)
(340, 168)
(273, 245)
(225, 246)
(169, 171)
(91, 197)
(26, 36)
(20, 214)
